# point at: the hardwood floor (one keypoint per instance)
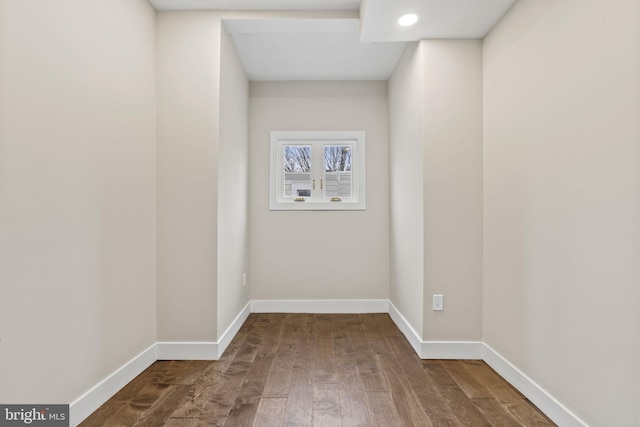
(318, 370)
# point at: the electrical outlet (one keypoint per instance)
(438, 302)
(244, 279)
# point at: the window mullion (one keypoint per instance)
(317, 169)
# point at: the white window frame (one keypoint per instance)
(317, 201)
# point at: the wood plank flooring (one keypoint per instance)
(318, 370)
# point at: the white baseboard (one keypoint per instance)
(233, 329)
(407, 330)
(203, 350)
(346, 306)
(532, 391)
(86, 404)
(467, 350)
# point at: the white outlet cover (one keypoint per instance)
(438, 302)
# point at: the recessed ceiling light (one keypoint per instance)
(408, 20)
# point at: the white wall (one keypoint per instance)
(406, 193)
(452, 173)
(233, 176)
(188, 139)
(319, 255)
(77, 193)
(562, 201)
(435, 98)
(203, 110)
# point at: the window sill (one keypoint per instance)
(309, 205)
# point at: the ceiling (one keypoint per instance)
(341, 46)
(328, 49)
(256, 4)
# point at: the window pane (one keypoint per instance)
(297, 170)
(337, 170)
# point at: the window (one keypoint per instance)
(317, 171)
